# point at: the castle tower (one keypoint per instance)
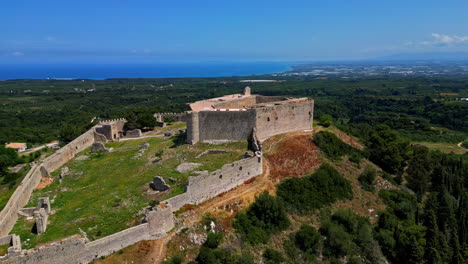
(247, 91)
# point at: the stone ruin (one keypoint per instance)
(99, 147)
(40, 214)
(159, 184)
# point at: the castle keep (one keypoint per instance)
(243, 116)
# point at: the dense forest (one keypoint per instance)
(425, 220)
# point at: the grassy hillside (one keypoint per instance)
(105, 193)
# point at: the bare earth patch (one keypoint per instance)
(45, 181)
(293, 156)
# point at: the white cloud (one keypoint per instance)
(441, 40)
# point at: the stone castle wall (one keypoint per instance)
(9, 214)
(75, 250)
(111, 128)
(204, 187)
(179, 117)
(222, 125)
(269, 115)
(283, 118)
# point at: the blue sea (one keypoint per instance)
(105, 71)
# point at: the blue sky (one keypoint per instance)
(153, 31)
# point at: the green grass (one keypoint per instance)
(106, 193)
(444, 147)
(4, 249)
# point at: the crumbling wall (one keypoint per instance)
(135, 133)
(205, 187)
(283, 118)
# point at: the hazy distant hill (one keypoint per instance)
(431, 56)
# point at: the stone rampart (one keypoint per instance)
(74, 249)
(283, 118)
(9, 214)
(204, 187)
(115, 242)
(179, 117)
(225, 125)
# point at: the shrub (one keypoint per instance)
(169, 119)
(326, 120)
(153, 203)
(346, 233)
(367, 178)
(177, 259)
(334, 148)
(465, 144)
(322, 188)
(213, 240)
(307, 239)
(264, 217)
(272, 256)
(218, 256)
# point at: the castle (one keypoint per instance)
(227, 118)
(244, 116)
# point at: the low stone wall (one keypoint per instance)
(136, 133)
(115, 242)
(75, 249)
(204, 187)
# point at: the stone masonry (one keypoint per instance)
(236, 116)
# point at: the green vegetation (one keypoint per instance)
(444, 147)
(213, 240)
(333, 147)
(177, 259)
(212, 255)
(425, 224)
(105, 192)
(312, 192)
(326, 120)
(387, 149)
(367, 178)
(272, 256)
(263, 218)
(349, 235)
(307, 239)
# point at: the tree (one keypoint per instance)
(264, 217)
(8, 157)
(419, 170)
(326, 120)
(69, 132)
(213, 240)
(367, 178)
(387, 149)
(307, 239)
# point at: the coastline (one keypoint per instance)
(132, 71)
